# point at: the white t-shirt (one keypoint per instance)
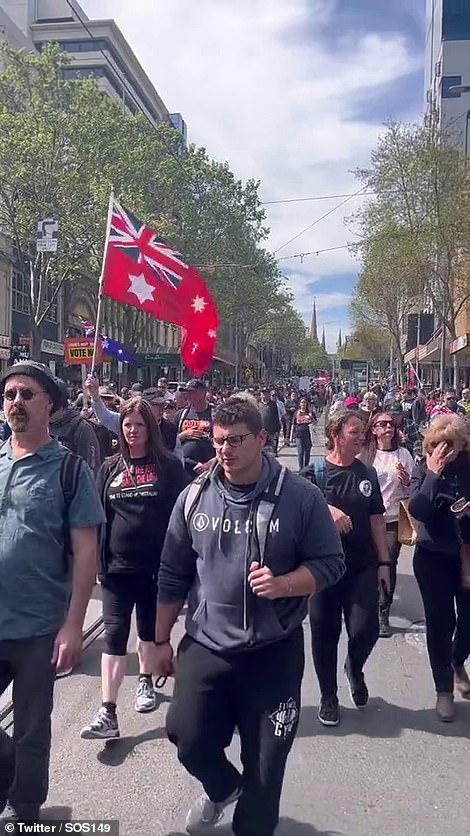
(385, 463)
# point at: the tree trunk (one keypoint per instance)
(35, 348)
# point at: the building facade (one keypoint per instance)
(96, 49)
(447, 92)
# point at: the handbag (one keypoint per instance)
(406, 529)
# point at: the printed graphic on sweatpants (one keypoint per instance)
(283, 719)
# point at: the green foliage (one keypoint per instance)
(63, 143)
(415, 230)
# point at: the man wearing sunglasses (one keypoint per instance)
(40, 620)
(247, 544)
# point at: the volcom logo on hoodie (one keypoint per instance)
(201, 523)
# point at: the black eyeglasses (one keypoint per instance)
(25, 394)
(231, 440)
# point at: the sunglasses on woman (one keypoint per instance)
(383, 424)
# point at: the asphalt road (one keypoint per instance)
(391, 769)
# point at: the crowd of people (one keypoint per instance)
(179, 499)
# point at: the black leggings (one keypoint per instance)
(447, 611)
(121, 591)
(356, 596)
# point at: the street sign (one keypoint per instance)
(47, 235)
(80, 352)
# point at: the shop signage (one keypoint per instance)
(51, 347)
(80, 352)
(461, 342)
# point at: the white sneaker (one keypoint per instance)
(205, 814)
(145, 698)
(103, 726)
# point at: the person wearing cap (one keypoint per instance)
(40, 620)
(410, 435)
(194, 425)
(74, 432)
(157, 398)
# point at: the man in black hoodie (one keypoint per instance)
(247, 544)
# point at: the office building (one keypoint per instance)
(447, 67)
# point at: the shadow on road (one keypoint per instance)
(287, 827)
(115, 752)
(382, 719)
(56, 813)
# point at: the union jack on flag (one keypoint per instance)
(139, 243)
(142, 271)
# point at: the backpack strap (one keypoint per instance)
(320, 474)
(194, 493)
(265, 510)
(183, 417)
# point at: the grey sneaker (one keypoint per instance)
(205, 814)
(104, 726)
(145, 697)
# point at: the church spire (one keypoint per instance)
(339, 344)
(323, 340)
(313, 326)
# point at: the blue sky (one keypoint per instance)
(293, 93)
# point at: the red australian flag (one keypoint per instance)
(144, 272)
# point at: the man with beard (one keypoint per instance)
(50, 509)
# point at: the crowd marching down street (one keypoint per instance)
(175, 501)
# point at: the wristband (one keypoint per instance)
(384, 563)
(160, 644)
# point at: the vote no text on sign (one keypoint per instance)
(80, 352)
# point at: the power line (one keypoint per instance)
(317, 221)
(314, 252)
(306, 199)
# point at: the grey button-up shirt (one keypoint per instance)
(33, 569)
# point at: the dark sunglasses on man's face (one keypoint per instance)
(25, 394)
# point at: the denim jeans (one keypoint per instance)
(24, 759)
(304, 447)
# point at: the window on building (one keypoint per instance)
(456, 20)
(21, 302)
(449, 81)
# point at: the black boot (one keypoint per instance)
(385, 630)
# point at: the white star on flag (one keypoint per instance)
(194, 348)
(140, 288)
(212, 334)
(198, 303)
(105, 343)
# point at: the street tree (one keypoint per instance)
(415, 232)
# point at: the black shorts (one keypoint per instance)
(121, 591)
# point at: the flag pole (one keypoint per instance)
(100, 285)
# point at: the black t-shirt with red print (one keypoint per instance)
(138, 499)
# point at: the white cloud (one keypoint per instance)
(259, 86)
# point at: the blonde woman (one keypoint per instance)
(435, 486)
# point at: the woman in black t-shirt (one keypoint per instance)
(302, 423)
(352, 491)
(138, 488)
